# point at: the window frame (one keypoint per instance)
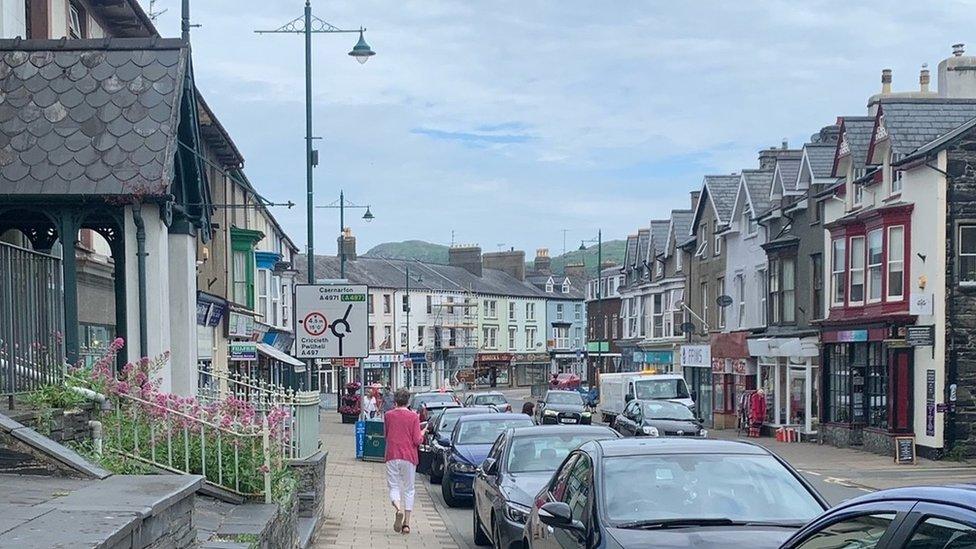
(704, 298)
(512, 338)
(851, 270)
(888, 296)
(740, 288)
(967, 282)
(838, 275)
(772, 275)
(720, 291)
(870, 268)
(817, 285)
(762, 277)
(718, 239)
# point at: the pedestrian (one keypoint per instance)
(528, 409)
(403, 438)
(387, 400)
(370, 405)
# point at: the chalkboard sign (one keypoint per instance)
(905, 450)
(917, 336)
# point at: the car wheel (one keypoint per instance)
(436, 470)
(479, 532)
(447, 491)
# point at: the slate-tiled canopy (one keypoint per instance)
(89, 117)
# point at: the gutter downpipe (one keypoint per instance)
(141, 267)
(951, 366)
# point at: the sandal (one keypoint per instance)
(405, 530)
(398, 522)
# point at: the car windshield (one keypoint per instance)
(449, 420)
(564, 398)
(652, 389)
(420, 400)
(486, 400)
(704, 486)
(535, 453)
(487, 430)
(667, 410)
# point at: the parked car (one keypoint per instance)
(493, 399)
(565, 381)
(517, 467)
(562, 407)
(658, 418)
(615, 388)
(437, 439)
(669, 492)
(940, 517)
(471, 440)
(425, 403)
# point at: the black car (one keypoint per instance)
(671, 492)
(517, 467)
(940, 517)
(562, 408)
(437, 439)
(493, 399)
(658, 418)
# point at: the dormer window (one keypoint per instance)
(702, 250)
(858, 194)
(565, 287)
(718, 240)
(658, 269)
(896, 175)
(748, 224)
(76, 21)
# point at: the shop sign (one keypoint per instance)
(905, 450)
(243, 351)
(239, 325)
(210, 310)
(416, 358)
(494, 357)
(930, 402)
(696, 356)
(921, 304)
(917, 336)
(852, 336)
(743, 368)
(658, 357)
(721, 366)
(531, 357)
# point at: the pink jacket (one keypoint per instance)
(403, 436)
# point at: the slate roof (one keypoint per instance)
(757, 182)
(643, 241)
(631, 252)
(788, 165)
(659, 236)
(821, 158)
(938, 144)
(721, 192)
(911, 123)
(89, 116)
(681, 219)
(857, 131)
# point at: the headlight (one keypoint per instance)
(550, 413)
(586, 414)
(459, 467)
(650, 431)
(703, 433)
(517, 512)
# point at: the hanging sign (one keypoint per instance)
(917, 336)
(921, 304)
(697, 356)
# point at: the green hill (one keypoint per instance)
(613, 250)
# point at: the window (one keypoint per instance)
(561, 336)
(942, 533)
(579, 311)
(857, 271)
(369, 303)
(967, 254)
(774, 295)
(511, 339)
(371, 337)
(896, 175)
(838, 261)
(387, 304)
(668, 301)
(76, 21)
(788, 271)
(430, 304)
(896, 263)
(718, 239)
(263, 275)
(240, 278)
(763, 285)
(450, 306)
(720, 291)
(702, 250)
(858, 194)
(578, 338)
(420, 336)
(565, 287)
(704, 301)
(816, 295)
(452, 337)
(578, 485)
(530, 338)
(749, 225)
(489, 336)
(549, 285)
(857, 384)
(818, 212)
(863, 532)
(657, 321)
(740, 291)
(406, 303)
(559, 311)
(511, 310)
(613, 327)
(530, 311)
(275, 299)
(387, 338)
(491, 308)
(875, 259)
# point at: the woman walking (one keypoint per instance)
(403, 438)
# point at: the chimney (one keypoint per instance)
(347, 244)
(885, 81)
(767, 158)
(542, 263)
(957, 74)
(512, 262)
(923, 79)
(786, 144)
(468, 257)
(575, 270)
(694, 199)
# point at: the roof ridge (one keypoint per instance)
(75, 44)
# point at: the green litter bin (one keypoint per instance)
(375, 447)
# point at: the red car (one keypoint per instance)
(565, 382)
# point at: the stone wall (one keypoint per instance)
(60, 425)
(171, 529)
(840, 436)
(310, 473)
(879, 442)
(18, 457)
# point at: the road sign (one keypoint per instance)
(330, 321)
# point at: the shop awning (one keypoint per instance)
(275, 354)
(783, 347)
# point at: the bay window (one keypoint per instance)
(896, 263)
(875, 259)
(857, 271)
(763, 285)
(740, 290)
(774, 295)
(658, 318)
(816, 296)
(838, 262)
(788, 270)
(263, 282)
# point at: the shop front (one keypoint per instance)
(631, 357)
(789, 376)
(867, 386)
(210, 314)
(531, 369)
(279, 368)
(696, 365)
(601, 359)
(731, 365)
(380, 368)
(657, 361)
(416, 374)
(493, 370)
(568, 362)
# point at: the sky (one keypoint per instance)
(503, 123)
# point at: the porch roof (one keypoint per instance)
(89, 117)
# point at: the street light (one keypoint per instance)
(308, 24)
(419, 279)
(341, 205)
(599, 297)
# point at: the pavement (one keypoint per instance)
(358, 514)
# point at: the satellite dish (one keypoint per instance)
(688, 327)
(724, 300)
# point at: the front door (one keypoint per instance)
(900, 391)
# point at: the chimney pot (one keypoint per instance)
(924, 78)
(958, 49)
(786, 144)
(885, 81)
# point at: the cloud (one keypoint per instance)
(471, 137)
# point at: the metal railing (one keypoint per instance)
(31, 320)
(302, 423)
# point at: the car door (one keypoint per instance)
(543, 535)
(868, 526)
(468, 400)
(938, 526)
(486, 494)
(624, 422)
(579, 496)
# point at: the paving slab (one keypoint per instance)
(143, 494)
(71, 529)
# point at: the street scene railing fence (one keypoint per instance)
(31, 320)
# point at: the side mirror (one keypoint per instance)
(558, 515)
(490, 466)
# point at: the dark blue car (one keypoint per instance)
(471, 439)
(939, 517)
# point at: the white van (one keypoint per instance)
(614, 389)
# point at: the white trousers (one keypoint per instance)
(400, 476)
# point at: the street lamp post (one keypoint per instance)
(308, 24)
(419, 279)
(341, 205)
(599, 298)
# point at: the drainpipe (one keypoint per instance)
(141, 267)
(96, 430)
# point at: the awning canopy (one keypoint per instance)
(784, 347)
(275, 354)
